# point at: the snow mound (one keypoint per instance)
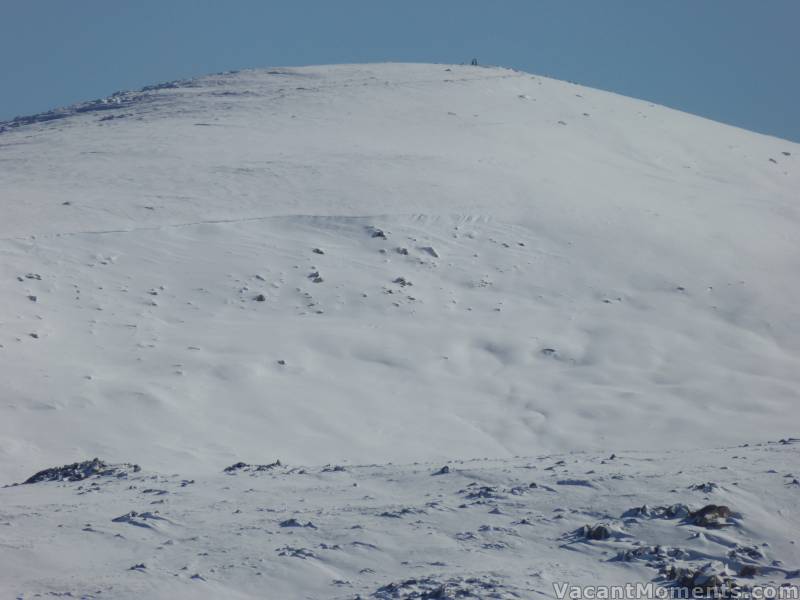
(394, 262)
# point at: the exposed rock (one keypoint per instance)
(430, 588)
(710, 578)
(675, 511)
(83, 470)
(333, 468)
(377, 233)
(303, 553)
(578, 482)
(480, 492)
(241, 466)
(138, 519)
(595, 532)
(710, 516)
(704, 487)
(748, 571)
(295, 523)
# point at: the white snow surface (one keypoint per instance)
(365, 264)
(660, 263)
(506, 529)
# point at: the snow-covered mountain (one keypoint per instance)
(389, 263)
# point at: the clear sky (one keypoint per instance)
(735, 61)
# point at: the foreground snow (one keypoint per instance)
(484, 529)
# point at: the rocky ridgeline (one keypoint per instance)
(83, 470)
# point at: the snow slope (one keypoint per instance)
(510, 529)
(510, 265)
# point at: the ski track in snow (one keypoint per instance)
(383, 264)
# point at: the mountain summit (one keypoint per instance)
(389, 262)
(395, 332)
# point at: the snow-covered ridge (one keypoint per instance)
(372, 139)
(126, 99)
(409, 267)
(558, 268)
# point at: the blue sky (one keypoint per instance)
(735, 61)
